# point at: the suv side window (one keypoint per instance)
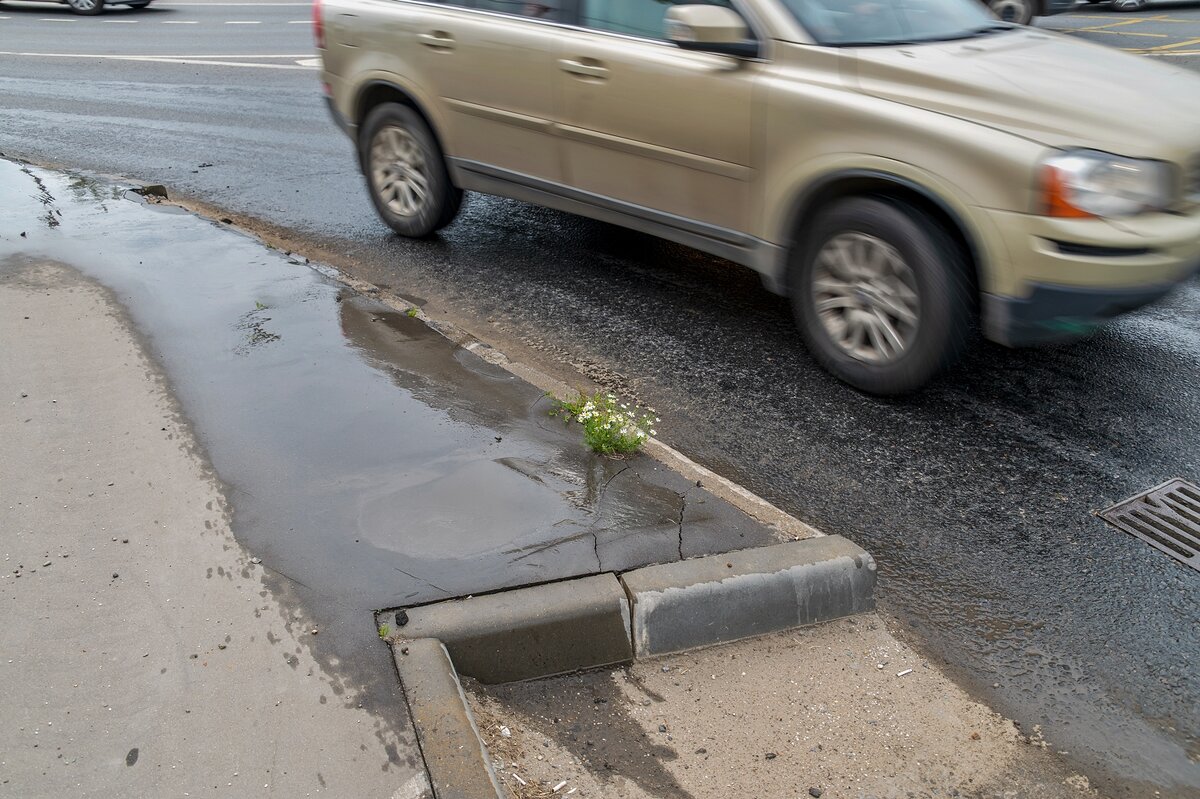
(634, 17)
(551, 10)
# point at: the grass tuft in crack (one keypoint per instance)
(384, 631)
(610, 427)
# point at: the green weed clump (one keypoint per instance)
(610, 427)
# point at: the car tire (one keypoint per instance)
(1020, 12)
(406, 172)
(911, 275)
(139, 4)
(86, 8)
(1128, 5)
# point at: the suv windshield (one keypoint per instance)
(846, 23)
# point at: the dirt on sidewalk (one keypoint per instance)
(143, 653)
(840, 711)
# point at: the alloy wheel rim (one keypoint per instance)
(865, 296)
(83, 5)
(398, 171)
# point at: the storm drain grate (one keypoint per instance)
(1167, 517)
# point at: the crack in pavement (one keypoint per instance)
(682, 508)
(422, 580)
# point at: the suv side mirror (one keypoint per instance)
(711, 29)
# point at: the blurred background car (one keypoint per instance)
(1022, 12)
(90, 8)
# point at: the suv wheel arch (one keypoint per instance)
(376, 92)
(872, 183)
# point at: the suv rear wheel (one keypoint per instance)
(406, 173)
(88, 8)
(881, 295)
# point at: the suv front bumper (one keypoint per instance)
(1067, 277)
(1059, 313)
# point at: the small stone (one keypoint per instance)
(193, 657)
(662, 727)
(770, 755)
(401, 618)
(256, 560)
(314, 630)
(702, 751)
(666, 669)
(220, 646)
(115, 575)
(815, 793)
(124, 540)
(47, 563)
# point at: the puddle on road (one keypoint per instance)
(368, 461)
(368, 458)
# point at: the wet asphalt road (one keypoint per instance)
(976, 496)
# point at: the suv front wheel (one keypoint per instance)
(881, 295)
(406, 173)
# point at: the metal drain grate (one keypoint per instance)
(1167, 517)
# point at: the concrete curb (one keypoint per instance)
(598, 621)
(712, 600)
(530, 632)
(455, 758)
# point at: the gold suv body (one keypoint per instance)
(903, 170)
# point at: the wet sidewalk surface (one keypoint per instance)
(369, 461)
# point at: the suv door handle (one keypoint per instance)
(437, 39)
(586, 68)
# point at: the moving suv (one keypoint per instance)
(904, 170)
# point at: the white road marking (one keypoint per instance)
(208, 61)
(206, 5)
(309, 62)
(290, 21)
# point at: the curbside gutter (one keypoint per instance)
(602, 620)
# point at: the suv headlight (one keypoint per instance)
(1082, 183)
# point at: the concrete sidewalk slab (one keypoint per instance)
(145, 651)
(711, 600)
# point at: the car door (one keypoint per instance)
(649, 124)
(492, 66)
